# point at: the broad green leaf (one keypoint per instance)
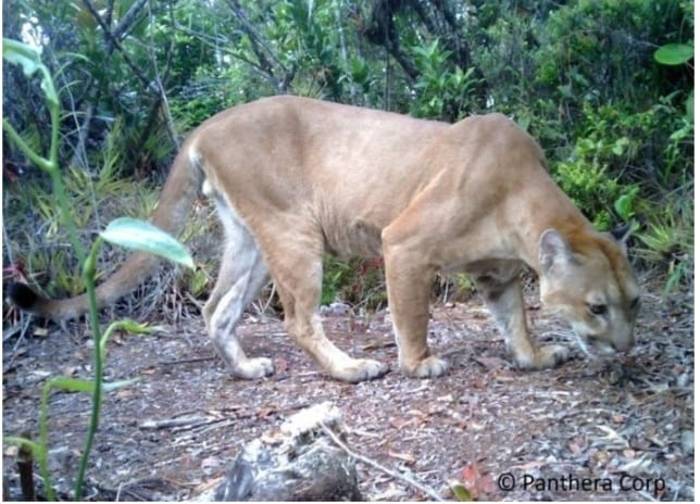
(461, 493)
(619, 146)
(81, 385)
(122, 325)
(71, 384)
(18, 53)
(682, 132)
(136, 234)
(524, 122)
(566, 91)
(624, 205)
(689, 104)
(74, 56)
(108, 387)
(20, 441)
(29, 58)
(132, 326)
(673, 54)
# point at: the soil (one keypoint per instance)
(587, 430)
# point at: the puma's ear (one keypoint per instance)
(554, 249)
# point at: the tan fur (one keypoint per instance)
(294, 177)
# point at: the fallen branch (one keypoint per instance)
(374, 345)
(407, 479)
(174, 422)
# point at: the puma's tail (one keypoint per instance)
(170, 215)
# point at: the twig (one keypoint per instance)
(25, 321)
(165, 106)
(203, 37)
(445, 355)
(260, 48)
(647, 496)
(262, 310)
(11, 331)
(387, 68)
(204, 423)
(254, 37)
(110, 11)
(194, 300)
(128, 20)
(343, 49)
(113, 41)
(174, 422)
(378, 344)
(427, 491)
(187, 361)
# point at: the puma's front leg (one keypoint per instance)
(298, 276)
(408, 287)
(505, 301)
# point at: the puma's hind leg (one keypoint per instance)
(242, 274)
(228, 273)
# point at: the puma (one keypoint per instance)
(293, 178)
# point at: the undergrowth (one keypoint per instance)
(37, 242)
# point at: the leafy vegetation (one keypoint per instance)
(605, 85)
(126, 232)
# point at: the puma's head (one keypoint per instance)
(590, 283)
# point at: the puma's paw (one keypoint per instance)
(255, 368)
(358, 370)
(552, 355)
(545, 358)
(430, 367)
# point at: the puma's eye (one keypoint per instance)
(597, 309)
(635, 303)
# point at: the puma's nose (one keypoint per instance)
(624, 344)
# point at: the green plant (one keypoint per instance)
(40, 449)
(668, 241)
(674, 54)
(625, 203)
(589, 186)
(444, 92)
(669, 237)
(126, 232)
(336, 274)
(95, 199)
(464, 285)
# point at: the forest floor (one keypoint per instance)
(627, 420)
